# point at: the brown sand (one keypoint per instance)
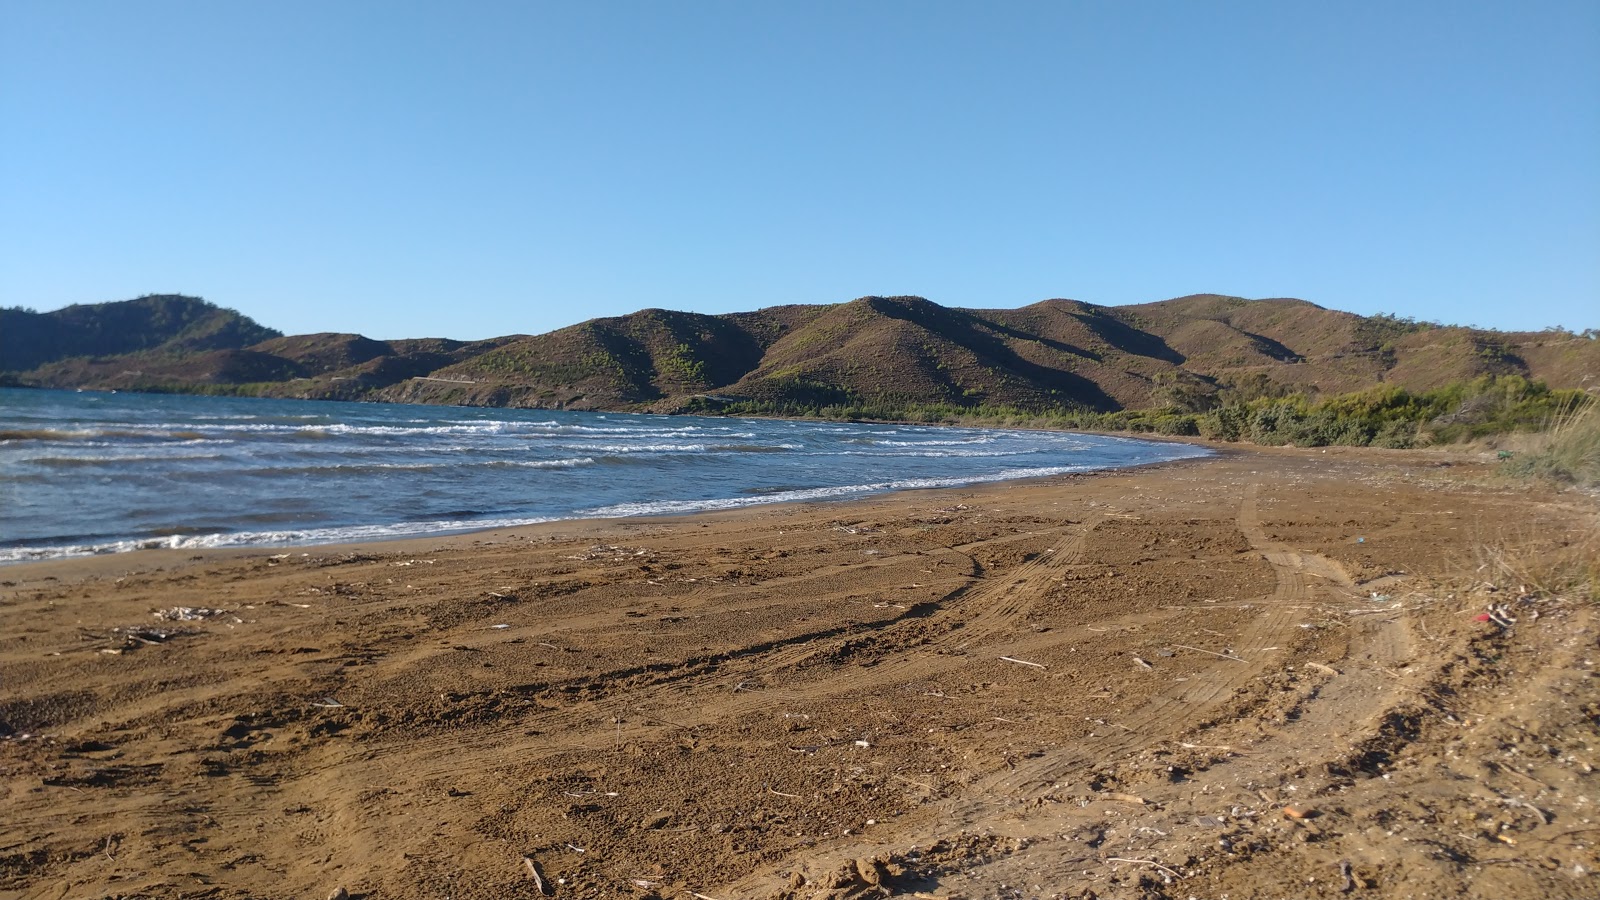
(1173, 682)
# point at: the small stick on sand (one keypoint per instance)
(1125, 798)
(1112, 859)
(1142, 663)
(1022, 662)
(1330, 670)
(1212, 652)
(1189, 746)
(771, 790)
(538, 878)
(701, 896)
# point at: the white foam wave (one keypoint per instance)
(678, 507)
(637, 448)
(116, 459)
(286, 538)
(275, 471)
(986, 439)
(548, 463)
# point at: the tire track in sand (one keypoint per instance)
(697, 691)
(1180, 706)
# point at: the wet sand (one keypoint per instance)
(1260, 675)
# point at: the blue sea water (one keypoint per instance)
(86, 473)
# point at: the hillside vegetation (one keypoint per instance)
(1274, 371)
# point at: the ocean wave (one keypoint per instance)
(931, 454)
(545, 463)
(679, 507)
(72, 462)
(284, 538)
(636, 448)
(754, 448)
(984, 439)
(376, 467)
(47, 434)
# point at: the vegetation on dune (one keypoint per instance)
(1385, 416)
(1569, 450)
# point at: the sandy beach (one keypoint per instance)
(1263, 674)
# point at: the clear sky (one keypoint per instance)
(408, 169)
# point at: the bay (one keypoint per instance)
(89, 473)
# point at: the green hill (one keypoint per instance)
(162, 324)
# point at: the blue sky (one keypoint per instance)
(407, 169)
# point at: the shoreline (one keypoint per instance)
(130, 562)
(426, 537)
(936, 691)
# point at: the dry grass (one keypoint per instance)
(1524, 562)
(1569, 450)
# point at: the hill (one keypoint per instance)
(159, 324)
(1188, 353)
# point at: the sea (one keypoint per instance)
(85, 473)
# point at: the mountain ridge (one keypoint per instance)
(1056, 354)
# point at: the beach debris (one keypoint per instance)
(188, 613)
(1298, 814)
(611, 551)
(1135, 799)
(328, 703)
(1326, 670)
(1227, 655)
(1022, 662)
(339, 893)
(498, 627)
(1142, 663)
(1381, 598)
(863, 744)
(137, 636)
(1344, 872)
(539, 883)
(1500, 615)
(1224, 747)
(1149, 862)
